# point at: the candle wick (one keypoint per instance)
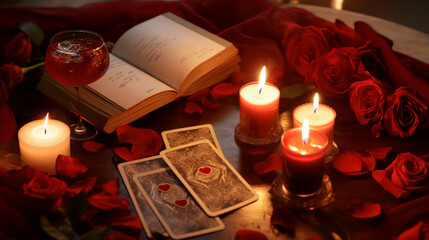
(305, 141)
(45, 131)
(315, 110)
(260, 90)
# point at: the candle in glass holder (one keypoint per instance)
(259, 107)
(304, 152)
(41, 141)
(320, 117)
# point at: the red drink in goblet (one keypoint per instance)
(77, 58)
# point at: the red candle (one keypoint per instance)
(259, 107)
(304, 153)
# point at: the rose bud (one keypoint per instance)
(18, 49)
(408, 170)
(366, 98)
(333, 72)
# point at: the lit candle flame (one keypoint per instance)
(305, 131)
(316, 103)
(261, 83)
(45, 126)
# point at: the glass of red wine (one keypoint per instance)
(77, 58)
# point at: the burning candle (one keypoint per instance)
(41, 141)
(321, 117)
(259, 107)
(304, 151)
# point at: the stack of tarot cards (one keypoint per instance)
(181, 192)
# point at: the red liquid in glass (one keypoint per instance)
(77, 62)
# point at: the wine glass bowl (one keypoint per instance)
(77, 58)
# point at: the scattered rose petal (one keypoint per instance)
(131, 222)
(92, 146)
(7, 123)
(136, 136)
(89, 214)
(81, 185)
(70, 167)
(418, 231)
(105, 202)
(379, 153)
(362, 209)
(198, 96)
(111, 188)
(246, 234)
(193, 108)
(347, 162)
(283, 217)
(118, 236)
(273, 162)
(182, 203)
(369, 162)
(223, 90)
(209, 104)
(152, 147)
(125, 153)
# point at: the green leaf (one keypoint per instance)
(295, 90)
(33, 31)
(51, 230)
(94, 234)
(78, 207)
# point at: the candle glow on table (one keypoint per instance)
(41, 141)
(320, 116)
(304, 152)
(259, 107)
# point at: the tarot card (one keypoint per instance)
(183, 136)
(147, 217)
(177, 210)
(209, 177)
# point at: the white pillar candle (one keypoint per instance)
(41, 143)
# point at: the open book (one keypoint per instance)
(152, 64)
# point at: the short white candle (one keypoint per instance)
(40, 148)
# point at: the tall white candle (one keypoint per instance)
(40, 145)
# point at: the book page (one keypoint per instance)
(165, 49)
(126, 85)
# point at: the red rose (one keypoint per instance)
(11, 74)
(301, 45)
(408, 170)
(418, 231)
(45, 192)
(18, 49)
(332, 73)
(404, 112)
(366, 98)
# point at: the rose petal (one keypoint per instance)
(379, 153)
(110, 188)
(368, 162)
(70, 167)
(92, 146)
(273, 162)
(283, 217)
(209, 104)
(7, 123)
(198, 96)
(223, 90)
(81, 185)
(118, 236)
(136, 136)
(125, 154)
(151, 146)
(346, 162)
(193, 108)
(131, 222)
(105, 202)
(362, 209)
(246, 234)
(418, 231)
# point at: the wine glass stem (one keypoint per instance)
(80, 128)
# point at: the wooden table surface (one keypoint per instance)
(348, 134)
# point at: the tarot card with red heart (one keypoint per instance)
(209, 177)
(175, 208)
(183, 136)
